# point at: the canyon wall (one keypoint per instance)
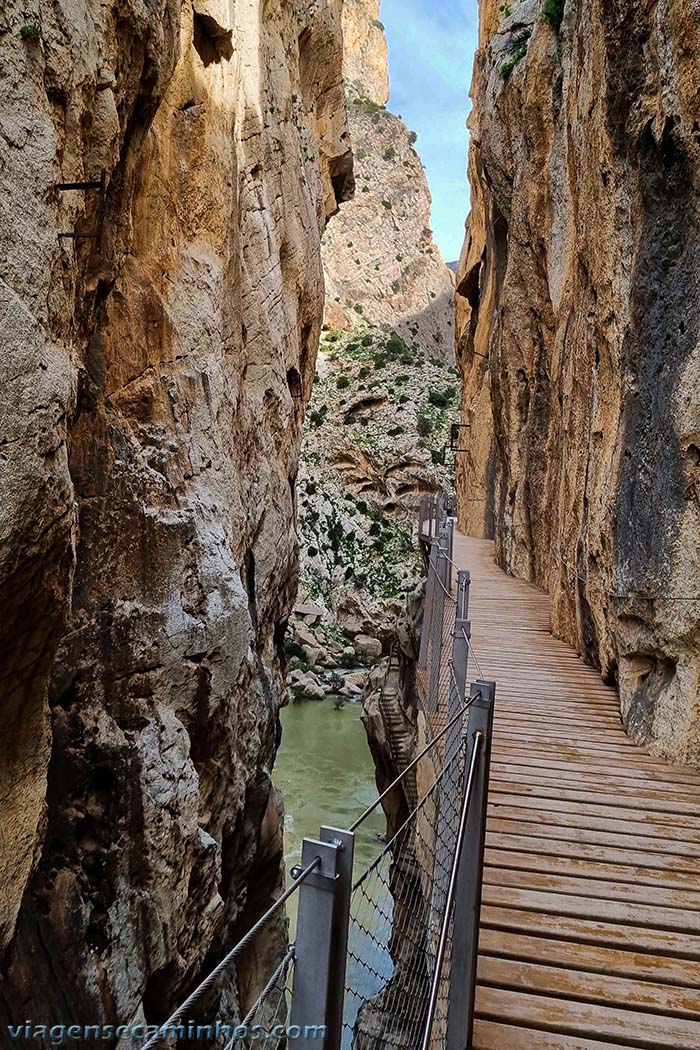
(382, 265)
(154, 383)
(578, 323)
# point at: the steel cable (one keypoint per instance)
(210, 979)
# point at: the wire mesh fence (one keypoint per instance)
(401, 922)
(396, 914)
(264, 1024)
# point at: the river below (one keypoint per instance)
(325, 771)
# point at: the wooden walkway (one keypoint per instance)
(590, 923)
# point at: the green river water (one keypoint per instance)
(325, 770)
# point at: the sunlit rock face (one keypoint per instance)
(154, 383)
(578, 315)
(382, 264)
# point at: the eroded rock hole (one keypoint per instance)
(693, 455)
(159, 993)
(212, 42)
(294, 383)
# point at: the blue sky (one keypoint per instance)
(431, 51)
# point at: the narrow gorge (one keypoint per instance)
(240, 387)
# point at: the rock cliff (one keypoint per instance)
(154, 383)
(382, 265)
(578, 320)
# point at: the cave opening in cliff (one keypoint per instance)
(212, 42)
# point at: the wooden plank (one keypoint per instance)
(591, 958)
(489, 1035)
(527, 823)
(508, 732)
(589, 930)
(651, 799)
(599, 889)
(519, 774)
(592, 758)
(547, 760)
(665, 825)
(574, 852)
(592, 869)
(575, 985)
(618, 911)
(617, 757)
(645, 1030)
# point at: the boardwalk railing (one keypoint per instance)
(386, 957)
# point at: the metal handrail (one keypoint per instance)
(377, 802)
(228, 959)
(451, 892)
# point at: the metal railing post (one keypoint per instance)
(460, 661)
(317, 926)
(431, 588)
(345, 841)
(443, 574)
(465, 943)
(450, 525)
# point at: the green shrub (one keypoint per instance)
(553, 12)
(30, 31)
(389, 153)
(342, 382)
(517, 50)
(359, 308)
(396, 286)
(387, 205)
(367, 340)
(413, 138)
(424, 424)
(395, 431)
(333, 337)
(403, 398)
(380, 361)
(442, 398)
(364, 372)
(365, 105)
(395, 346)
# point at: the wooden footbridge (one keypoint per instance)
(590, 919)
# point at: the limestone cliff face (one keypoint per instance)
(382, 265)
(154, 384)
(578, 321)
